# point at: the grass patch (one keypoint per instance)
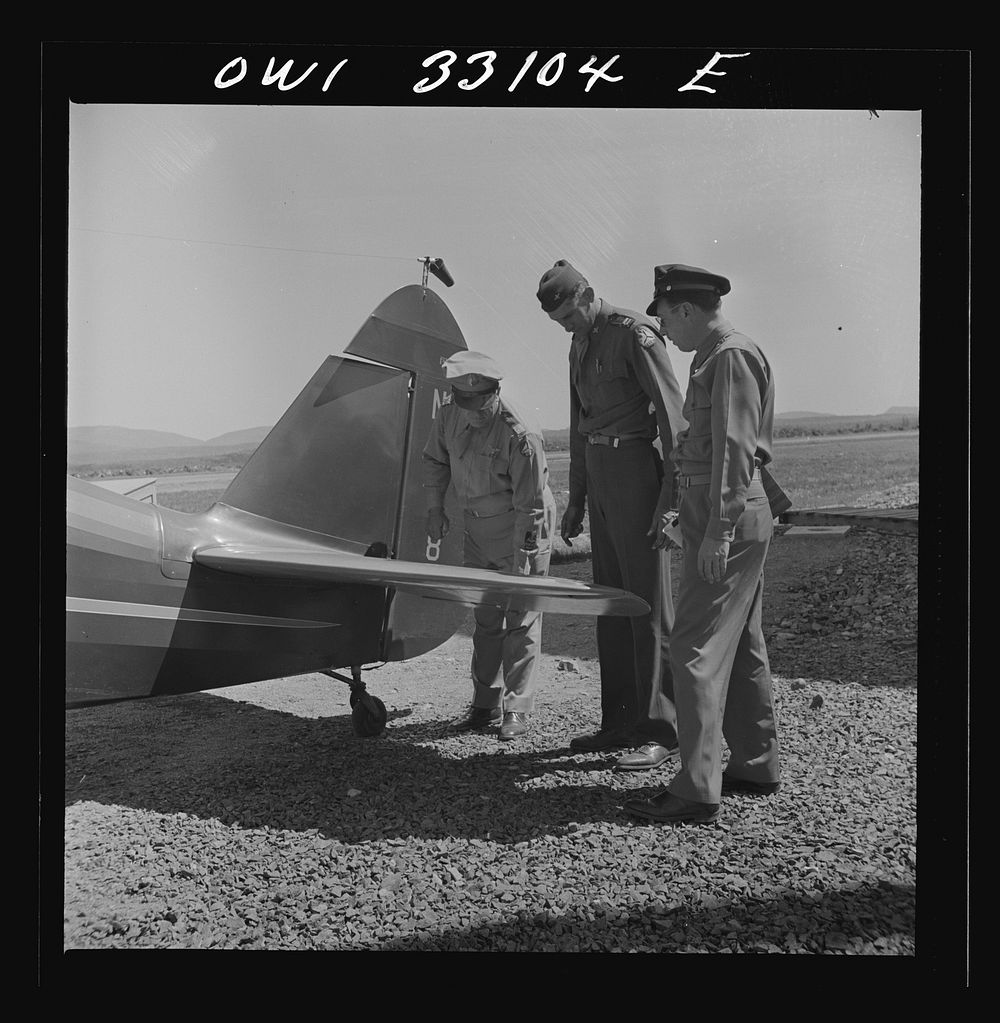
(835, 471)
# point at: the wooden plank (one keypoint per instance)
(893, 520)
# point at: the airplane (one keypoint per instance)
(315, 558)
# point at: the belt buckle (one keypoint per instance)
(603, 439)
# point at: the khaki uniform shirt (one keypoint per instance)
(494, 468)
(621, 385)
(730, 409)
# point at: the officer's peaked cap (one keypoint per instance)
(678, 277)
(557, 285)
(472, 371)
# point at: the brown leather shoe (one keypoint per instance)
(652, 754)
(666, 808)
(514, 724)
(755, 788)
(475, 718)
(608, 738)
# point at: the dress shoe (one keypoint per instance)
(514, 724)
(475, 718)
(607, 738)
(756, 788)
(666, 808)
(652, 754)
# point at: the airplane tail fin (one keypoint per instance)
(345, 460)
(337, 463)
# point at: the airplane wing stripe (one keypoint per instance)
(124, 609)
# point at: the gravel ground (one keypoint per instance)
(253, 818)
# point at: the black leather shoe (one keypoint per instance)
(756, 788)
(666, 808)
(475, 718)
(652, 754)
(609, 738)
(514, 724)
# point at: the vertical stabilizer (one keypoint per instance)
(345, 460)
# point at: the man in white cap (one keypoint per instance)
(495, 460)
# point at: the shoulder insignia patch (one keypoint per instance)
(645, 337)
(512, 421)
(525, 447)
(446, 398)
(620, 320)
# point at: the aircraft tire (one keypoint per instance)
(368, 715)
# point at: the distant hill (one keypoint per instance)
(896, 410)
(118, 437)
(119, 451)
(805, 424)
(240, 437)
(98, 444)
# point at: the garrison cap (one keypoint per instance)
(557, 285)
(471, 372)
(678, 277)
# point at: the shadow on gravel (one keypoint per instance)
(255, 768)
(873, 919)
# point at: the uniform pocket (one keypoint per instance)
(488, 473)
(756, 522)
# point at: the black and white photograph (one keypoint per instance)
(492, 501)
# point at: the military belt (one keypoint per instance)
(611, 442)
(705, 479)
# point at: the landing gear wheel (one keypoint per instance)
(368, 714)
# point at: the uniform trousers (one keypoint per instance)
(623, 488)
(505, 645)
(722, 679)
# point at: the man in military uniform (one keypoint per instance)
(623, 393)
(722, 680)
(486, 448)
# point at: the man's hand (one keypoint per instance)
(712, 558)
(662, 521)
(437, 524)
(572, 523)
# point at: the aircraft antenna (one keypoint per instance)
(435, 265)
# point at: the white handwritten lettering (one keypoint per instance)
(270, 77)
(329, 77)
(488, 57)
(598, 73)
(707, 70)
(425, 84)
(235, 71)
(559, 62)
(221, 83)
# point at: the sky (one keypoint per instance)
(218, 254)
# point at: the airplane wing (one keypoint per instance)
(442, 582)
